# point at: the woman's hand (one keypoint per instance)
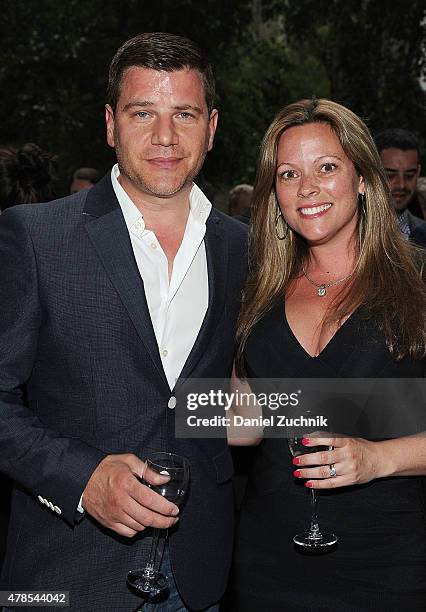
(355, 461)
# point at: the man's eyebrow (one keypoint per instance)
(142, 103)
(185, 107)
(145, 103)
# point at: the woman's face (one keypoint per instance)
(316, 184)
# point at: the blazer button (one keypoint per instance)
(172, 403)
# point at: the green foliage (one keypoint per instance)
(367, 54)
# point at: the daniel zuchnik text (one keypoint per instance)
(278, 420)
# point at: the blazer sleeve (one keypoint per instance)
(51, 466)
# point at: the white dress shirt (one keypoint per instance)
(177, 308)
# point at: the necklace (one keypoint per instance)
(322, 288)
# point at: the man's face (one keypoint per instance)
(161, 131)
(402, 169)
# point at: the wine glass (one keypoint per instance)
(148, 581)
(314, 538)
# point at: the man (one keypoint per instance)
(84, 178)
(240, 198)
(108, 296)
(400, 155)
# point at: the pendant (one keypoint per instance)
(322, 291)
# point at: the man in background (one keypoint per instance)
(400, 155)
(84, 178)
(239, 200)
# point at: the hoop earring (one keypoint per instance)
(362, 201)
(284, 225)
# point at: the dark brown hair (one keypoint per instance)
(159, 51)
(26, 175)
(387, 279)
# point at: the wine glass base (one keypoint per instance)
(322, 540)
(148, 585)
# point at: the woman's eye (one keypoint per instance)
(288, 174)
(328, 167)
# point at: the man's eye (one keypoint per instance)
(142, 114)
(328, 167)
(185, 115)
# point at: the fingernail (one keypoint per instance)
(309, 484)
(297, 473)
(306, 441)
(175, 512)
(296, 461)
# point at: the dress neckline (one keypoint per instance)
(329, 344)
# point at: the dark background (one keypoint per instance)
(54, 57)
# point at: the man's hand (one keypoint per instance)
(117, 500)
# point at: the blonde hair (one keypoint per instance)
(387, 279)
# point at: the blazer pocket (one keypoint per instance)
(224, 466)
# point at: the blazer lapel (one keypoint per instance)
(217, 267)
(108, 232)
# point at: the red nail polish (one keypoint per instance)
(306, 441)
(297, 473)
(296, 461)
(309, 484)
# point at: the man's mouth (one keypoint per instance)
(164, 162)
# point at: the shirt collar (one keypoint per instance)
(199, 205)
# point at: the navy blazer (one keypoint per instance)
(76, 334)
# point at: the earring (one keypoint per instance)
(284, 225)
(363, 200)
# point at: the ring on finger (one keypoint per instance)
(332, 469)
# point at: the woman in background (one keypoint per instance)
(26, 176)
(333, 291)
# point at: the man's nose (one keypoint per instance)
(164, 132)
(398, 181)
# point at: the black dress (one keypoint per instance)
(380, 561)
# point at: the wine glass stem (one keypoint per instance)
(149, 568)
(314, 530)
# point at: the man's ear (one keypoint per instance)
(109, 121)
(214, 115)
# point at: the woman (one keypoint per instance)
(26, 175)
(334, 291)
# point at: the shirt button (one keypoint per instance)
(172, 402)
(164, 352)
(153, 245)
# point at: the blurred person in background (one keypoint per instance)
(26, 175)
(240, 202)
(84, 178)
(400, 155)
